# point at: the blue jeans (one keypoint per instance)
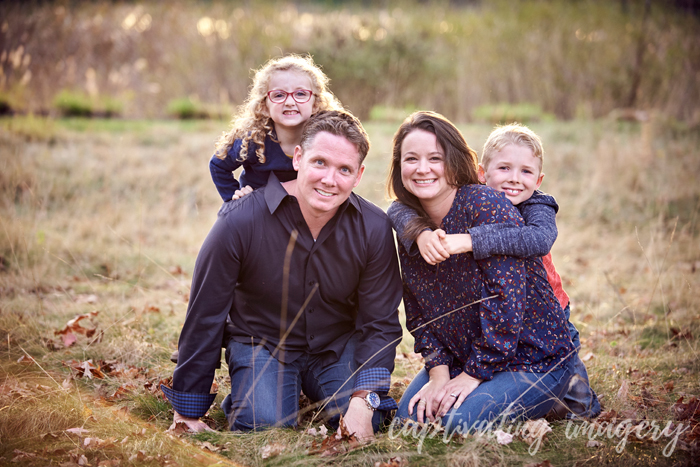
(580, 399)
(510, 393)
(265, 392)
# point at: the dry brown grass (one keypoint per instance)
(108, 217)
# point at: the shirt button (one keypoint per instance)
(311, 310)
(312, 283)
(312, 337)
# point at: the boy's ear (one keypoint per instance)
(482, 174)
(539, 180)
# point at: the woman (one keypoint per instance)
(491, 331)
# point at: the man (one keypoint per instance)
(306, 271)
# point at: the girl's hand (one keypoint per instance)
(238, 194)
(431, 247)
(428, 399)
(456, 390)
(455, 244)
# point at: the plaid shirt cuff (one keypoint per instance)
(187, 404)
(379, 381)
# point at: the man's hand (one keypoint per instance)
(358, 420)
(242, 192)
(193, 424)
(455, 244)
(430, 246)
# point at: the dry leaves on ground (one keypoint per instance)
(336, 443)
(393, 462)
(73, 327)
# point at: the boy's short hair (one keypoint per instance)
(515, 133)
(338, 123)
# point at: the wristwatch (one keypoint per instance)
(371, 398)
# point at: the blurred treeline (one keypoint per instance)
(570, 59)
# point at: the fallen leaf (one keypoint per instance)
(334, 445)
(74, 324)
(502, 437)
(668, 387)
(607, 416)
(544, 463)
(689, 411)
(84, 298)
(25, 360)
(21, 455)
(78, 431)
(681, 334)
(623, 392)
(393, 462)
(207, 445)
(271, 450)
(85, 369)
(121, 392)
(99, 443)
(535, 429)
(594, 444)
(69, 339)
(178, 428)
(587, 357)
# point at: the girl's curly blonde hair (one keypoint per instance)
(252, 122)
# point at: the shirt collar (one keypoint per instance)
(275, 193)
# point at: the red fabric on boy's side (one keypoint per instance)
(555, 280)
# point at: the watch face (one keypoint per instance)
(373, 399)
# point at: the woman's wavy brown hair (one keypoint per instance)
(461, 165)
(252, 122)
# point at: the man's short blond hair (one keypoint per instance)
(516, 134)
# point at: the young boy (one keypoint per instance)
(511, 162)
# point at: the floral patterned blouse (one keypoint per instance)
(517, 326)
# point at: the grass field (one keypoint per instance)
(104, 219)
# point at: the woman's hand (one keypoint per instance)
(428, 399)
(455, 244)
(431, 248)
(456, 390)
(238, 194)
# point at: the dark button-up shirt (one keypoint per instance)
(293, 296)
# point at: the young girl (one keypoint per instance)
(286, 92)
